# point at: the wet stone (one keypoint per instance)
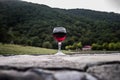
(106, 71)
(27, 75)
(39, 74)
(73, 75)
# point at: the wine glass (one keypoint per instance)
(59, 33)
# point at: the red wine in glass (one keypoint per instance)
(59, 36)
(59, 33)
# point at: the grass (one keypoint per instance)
(94, 52)
(20, 49)
(12, 49)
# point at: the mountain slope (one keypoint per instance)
(95, 15)
(31, 24)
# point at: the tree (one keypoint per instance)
(96, 46)
(79, 45)
(47, 44)
(36, 41)
(111, 46)
(74, 46)
(118, 46)
(35, 22)
(105, 46)
(69, 47)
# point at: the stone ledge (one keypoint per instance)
(99, 71)
(12, 73)
(73, 67)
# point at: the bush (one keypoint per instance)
(69, 47)
(74, 46)
(112, 46)
(106, 46)
(118, 46)
(96, 46)
(47, 44)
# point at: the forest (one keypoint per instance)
(31, 24)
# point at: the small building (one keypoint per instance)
(87, 48)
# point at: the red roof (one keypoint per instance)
(87, 46)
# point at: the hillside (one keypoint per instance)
(31, 24)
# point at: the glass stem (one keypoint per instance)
(59, 46)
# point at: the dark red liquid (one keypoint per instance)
(59, 36)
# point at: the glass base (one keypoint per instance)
(60, 53)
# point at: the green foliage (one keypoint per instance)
(96, 47)
(47, 44)
(69, 47)
(74, 46)
(118, 46)
(31, 24)
(106, 46)
(77, 45)
(111, 46)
